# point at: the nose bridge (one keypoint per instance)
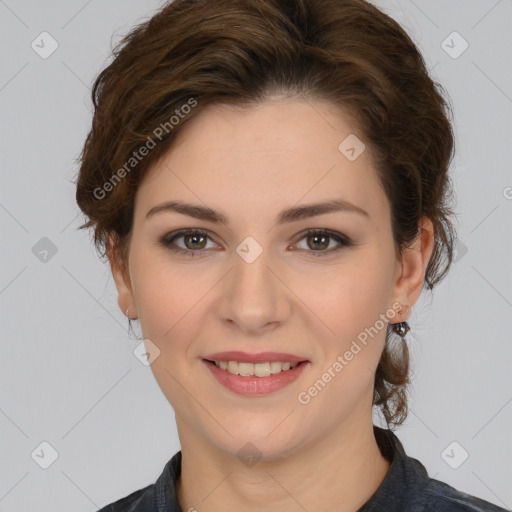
(253, 296)
(251, 266)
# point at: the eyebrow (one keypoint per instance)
(290, 215)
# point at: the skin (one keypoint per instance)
(250, 164)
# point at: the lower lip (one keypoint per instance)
(256, 386)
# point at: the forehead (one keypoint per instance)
(278, 153)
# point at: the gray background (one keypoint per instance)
(68, 373)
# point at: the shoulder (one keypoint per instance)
(438, 496)
(141, 499)
(155, 496)
(409, 485)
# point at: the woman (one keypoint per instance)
(269, 181)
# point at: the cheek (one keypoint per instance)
(354, 307)
(171, 313)
(167, 299)
(351, 299)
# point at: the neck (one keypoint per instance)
(340, 472)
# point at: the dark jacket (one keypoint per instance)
(406, 488)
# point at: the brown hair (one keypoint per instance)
(197, 52)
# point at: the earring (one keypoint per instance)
(401, 328)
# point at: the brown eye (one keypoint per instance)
(319, 240)
(194, 241)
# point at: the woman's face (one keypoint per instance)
(259, 283)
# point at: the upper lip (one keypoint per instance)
(260, 357)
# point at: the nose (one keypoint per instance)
(254, 298)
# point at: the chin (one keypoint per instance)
(267, 438)
(250, 451)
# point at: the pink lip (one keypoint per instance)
(261, 357)
(254, 386)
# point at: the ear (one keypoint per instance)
(121, 278)
(410, 274)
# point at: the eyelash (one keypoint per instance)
(168, 240)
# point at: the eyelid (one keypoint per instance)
(342, 240)
(168, 240)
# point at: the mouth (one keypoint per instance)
(255, 374)
(255, 369)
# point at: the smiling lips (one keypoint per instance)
(255, 374)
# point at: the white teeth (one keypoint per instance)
(262, 369)
(257, 369)
(245, 369)
(233, 367)
(275, 367)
